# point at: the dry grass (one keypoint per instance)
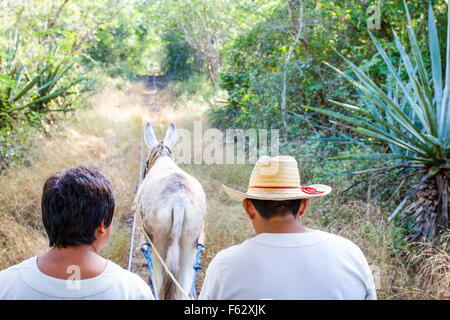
(18, 241)
(432, 265)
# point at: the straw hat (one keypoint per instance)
(277, 178)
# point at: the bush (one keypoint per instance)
(32, 88)
(180, 59)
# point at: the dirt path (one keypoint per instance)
(149, 91)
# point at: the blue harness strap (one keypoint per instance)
(196, 267)
(148, 256)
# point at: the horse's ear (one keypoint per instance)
(149, 136)
(171, 136)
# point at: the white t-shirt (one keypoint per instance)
(25, 281)
(314, 265)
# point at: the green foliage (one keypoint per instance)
(39, 70)
(257, 62)
(180, 59)
(14, 144)
(413, 116)
(32, 88)
(121, 47)
(196, 85)
(255, 65)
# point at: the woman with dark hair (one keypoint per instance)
(77, 211)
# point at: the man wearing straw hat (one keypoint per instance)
(286, 260)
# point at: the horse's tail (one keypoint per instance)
(168, 287)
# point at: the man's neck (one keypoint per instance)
(281, 224)
(58, 261)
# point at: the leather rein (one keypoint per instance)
(159, 151)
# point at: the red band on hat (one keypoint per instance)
(311, 190)
(308, 190)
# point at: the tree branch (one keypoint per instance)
(409, 195)
(58, 14)
(294, 20)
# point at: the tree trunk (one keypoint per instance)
(57, 15)
(211, 72)
(430, 212)
(294, 23)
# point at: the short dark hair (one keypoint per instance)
(270, 208)
(74, 203)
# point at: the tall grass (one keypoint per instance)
(433, 271)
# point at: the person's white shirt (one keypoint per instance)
(314, 265)
(25, 281)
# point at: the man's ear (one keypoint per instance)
(303, 207)
(249, 209)
(101, 228)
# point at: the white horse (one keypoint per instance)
(172, 205)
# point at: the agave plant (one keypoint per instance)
(22, 89)
(412, 116)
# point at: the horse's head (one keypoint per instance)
(158, 149)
